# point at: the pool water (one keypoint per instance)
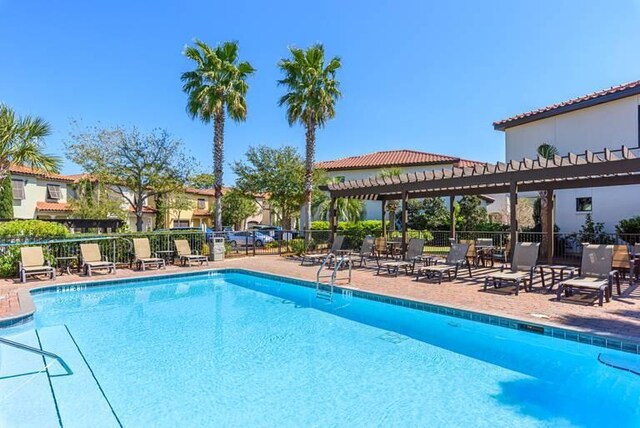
(235, 349)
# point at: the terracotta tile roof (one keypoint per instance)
(25, 170)
(145, 210)
(205, 192)
(610, 94)
(201, 213)
(53, 206)
(391, 158)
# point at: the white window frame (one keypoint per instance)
(202, 203)
(584, 211)
(180, 223)
(21, 195)
(54, 192)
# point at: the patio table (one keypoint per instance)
(560, 269)
(65, 264)
(482, 253)
(167, 255)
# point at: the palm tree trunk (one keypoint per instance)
(308, 176)
(218, 159)
(544, 207)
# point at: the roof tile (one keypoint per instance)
(391, 158)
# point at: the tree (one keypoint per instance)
(472, 212)
(346, 209)
(217, 84)
(176, 203)
(20, 142)
(203, 181)
(546, 151)
(427, 214)
(276, 172)
(94, 201)
(132, 165)
(391, 205)
(6, 198)
(237, 206)
(312, 94)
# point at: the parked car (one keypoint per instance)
(239, 239)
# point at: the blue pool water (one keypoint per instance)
(233, 349)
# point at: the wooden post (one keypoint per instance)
(405, 200)
(513, 211)
(550, 226)
(452, 216)
(333, 224)
(384, 218)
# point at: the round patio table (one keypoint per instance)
(560, 269)
(167, 255)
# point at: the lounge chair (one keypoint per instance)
(186, 256)
(143, 257)
(318, 257)
(523, 266)
(595, 273)
(32, 262)
(622, 264)
(413, 256)
(92, 259)
(366, 251)
(456, 259)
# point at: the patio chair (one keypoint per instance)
(413, 256)
(472, 254)
(503, 255)
(143, 257)
(595, 273)
(484, 251)
(92, 260)
(380, 247)
(185, 254)
(456, 258)
(622, 264)
(523, 266)
(318, 257)
(366, 251)
(32, 262)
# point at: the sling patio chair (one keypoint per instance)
(93, 260)
(595, 273)
(472, 253)
(523, 266)
(143, 257)
(319, 257)
(456, 259)
(413, 256)
(186, 256)
(32, 262)
(380, 247)
(365, 253)
(622, 264)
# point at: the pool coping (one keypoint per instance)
(619, 343)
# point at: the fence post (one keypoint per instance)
(254, 242)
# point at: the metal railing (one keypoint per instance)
(33, 350)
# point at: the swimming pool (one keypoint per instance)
(236, 349)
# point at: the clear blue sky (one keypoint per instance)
(416, 74)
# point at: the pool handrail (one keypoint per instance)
(33, 350)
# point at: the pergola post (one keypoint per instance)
(549, 226)
(452, 215)
(405, 200)
(513, 213)
(333, 224)
(384, 221)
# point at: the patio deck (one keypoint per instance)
(620, 317)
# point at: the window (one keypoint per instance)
(201, 204)
(180, 223)
(54, 192)
(584, 205)
(17, 188)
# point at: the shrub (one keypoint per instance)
(629, 226)
(297, 246)
(37, 229)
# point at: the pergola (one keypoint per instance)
(573, 171)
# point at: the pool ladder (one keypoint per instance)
(33, 350)
(325, 290)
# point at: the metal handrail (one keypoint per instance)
(338, 265)
(33, 350)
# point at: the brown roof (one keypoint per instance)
(53, 206)
(392, 158)
(201, 213)
(610, 94)
(25, 170)
(145, 210)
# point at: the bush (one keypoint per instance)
(297, 246)
(487, 226)
(629, 226)
(36, 229)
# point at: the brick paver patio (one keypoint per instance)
(620, 317)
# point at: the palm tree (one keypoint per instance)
(392, 206)
(311, 98)
(546, 151)
(216, 88)
(346, 209)
(20, 143)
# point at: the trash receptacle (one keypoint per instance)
(216, 250)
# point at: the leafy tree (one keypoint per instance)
(237, 206)
(427, 214)
(346, 209)
(176, 203)
(134, 166)
(472, 212)
(203, 181)
(6, 198)
(276, 172)
(312, 94)
(593, 232)
(20, 142)
(392, 205)
(629, 226)
(217, 84)
(94, 201)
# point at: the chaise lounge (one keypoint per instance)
(143, 257)
(185, 255)
(32, 262)
(456, 258)
(521, 270)
(318, 257)
(92, 260)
